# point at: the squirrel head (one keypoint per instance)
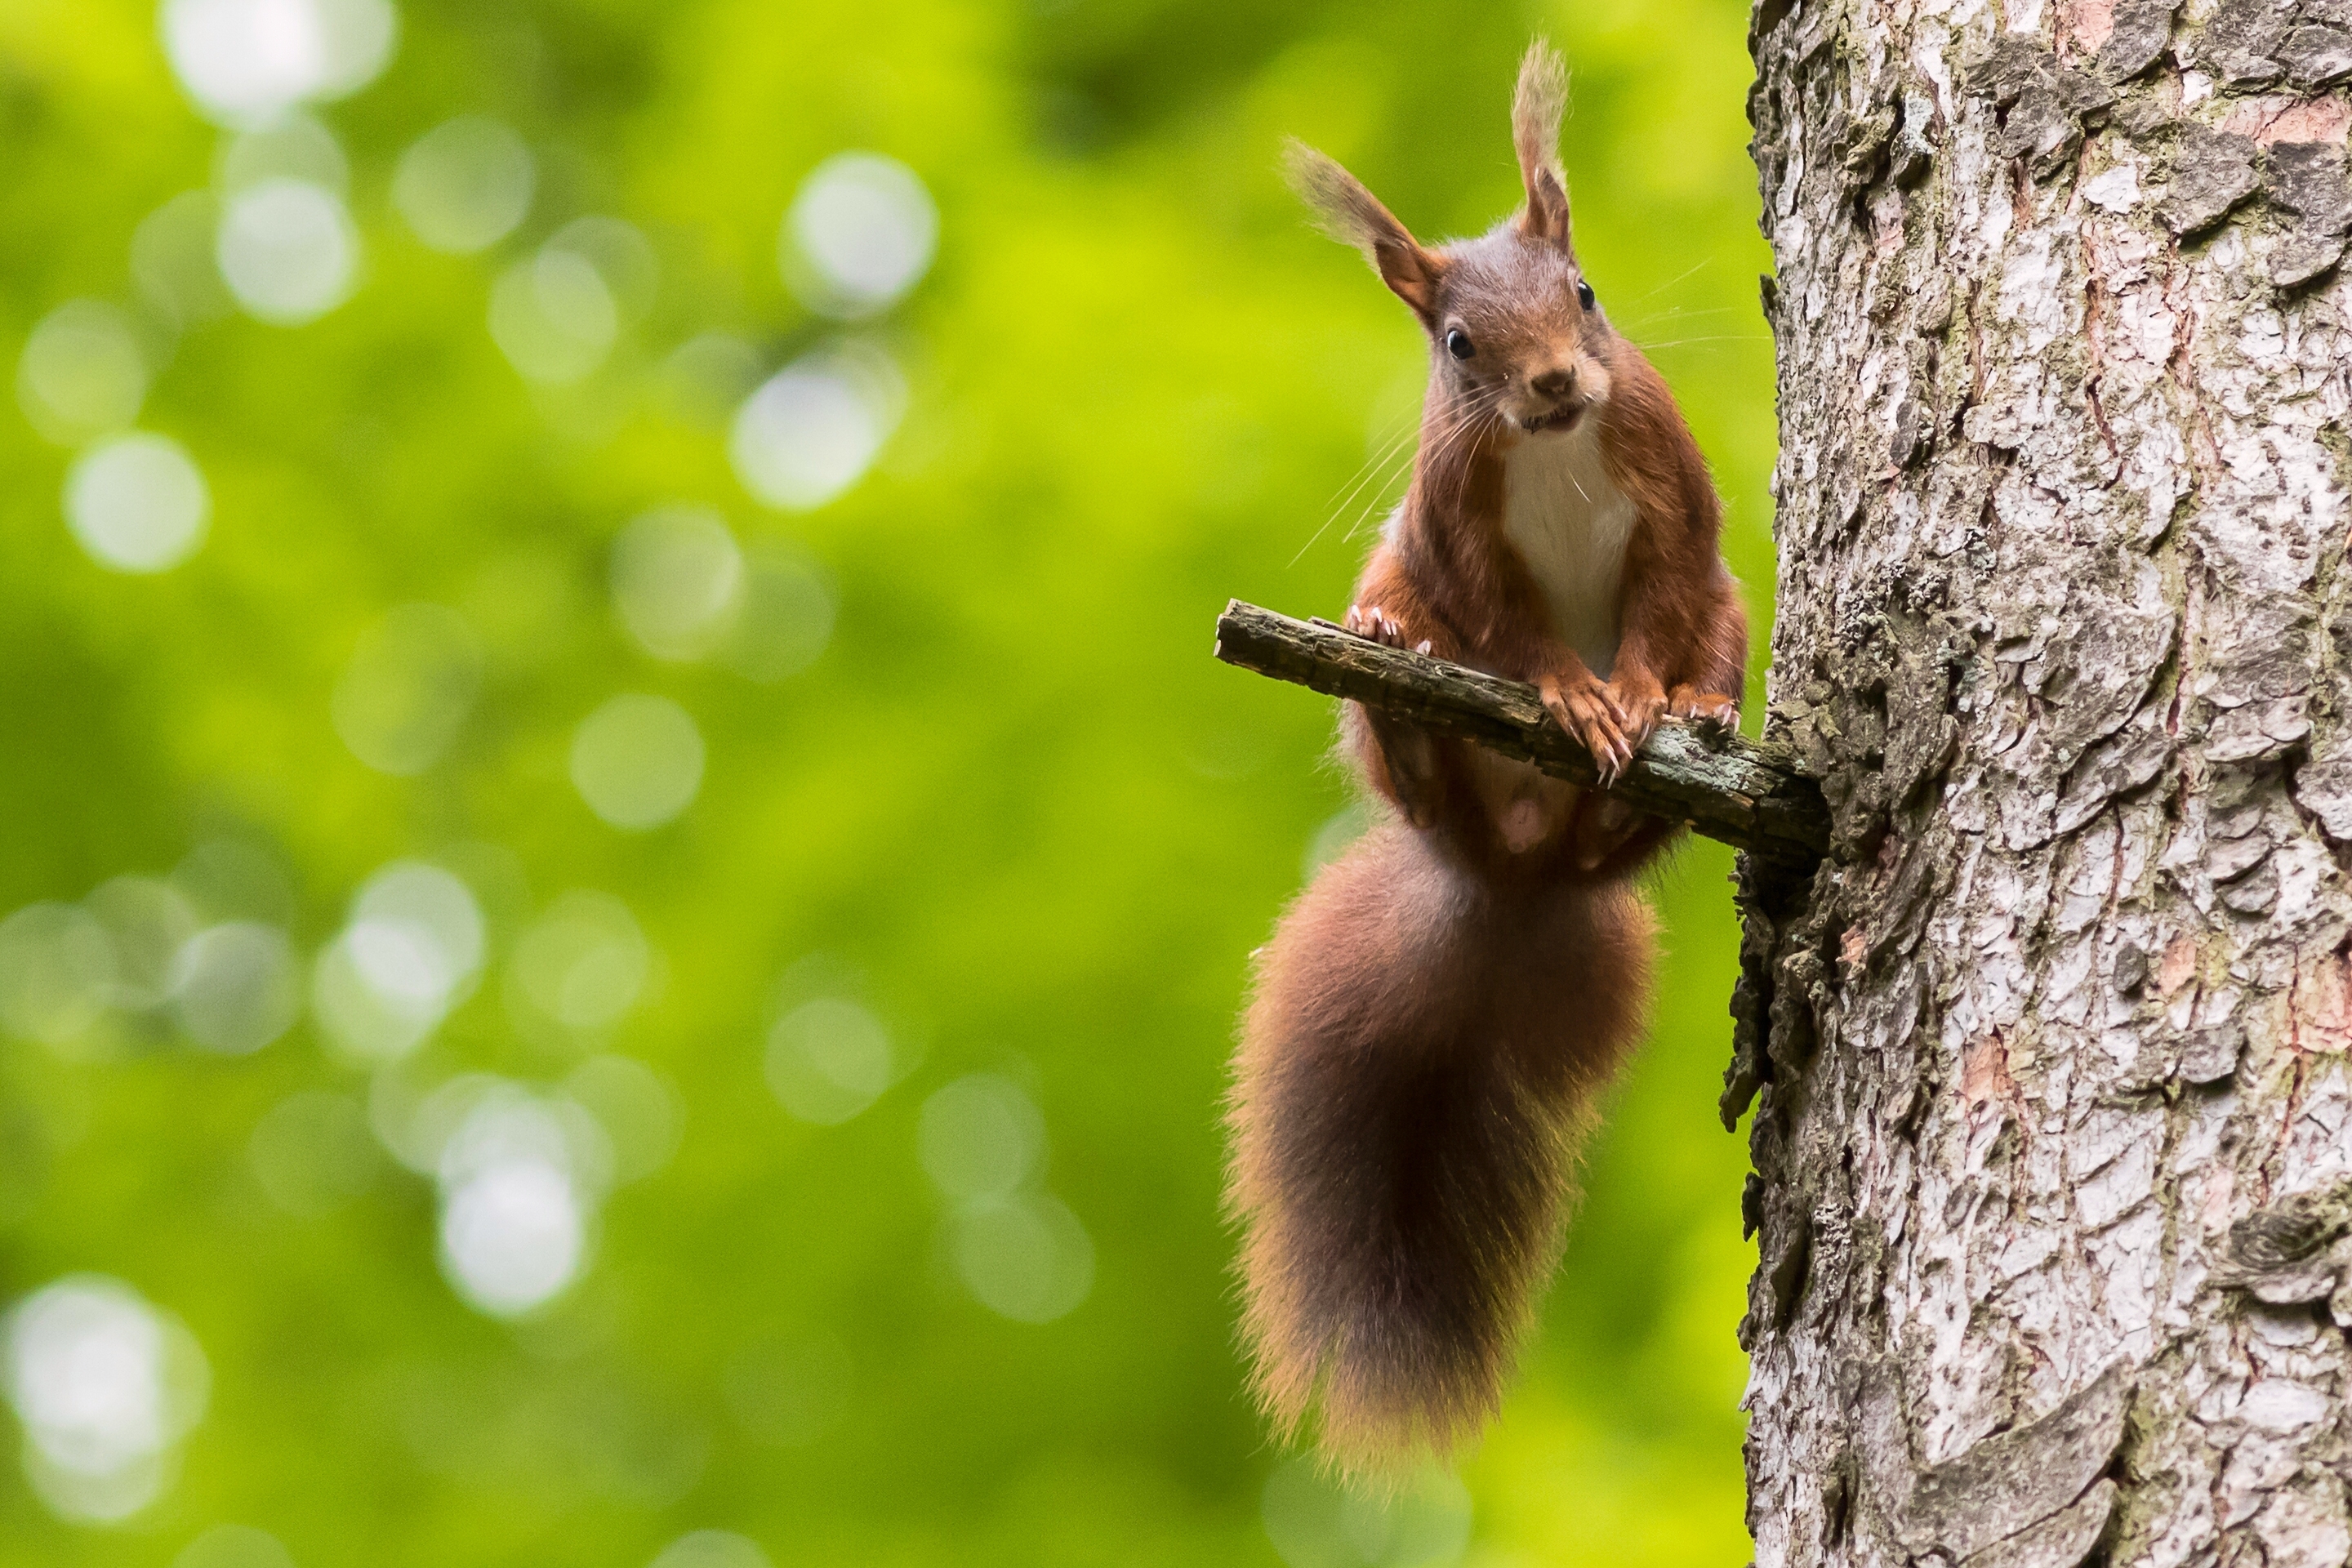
(1517, 338)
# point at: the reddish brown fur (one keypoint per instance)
(1417, 1069)
(1437, 1012)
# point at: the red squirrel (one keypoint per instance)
(1438, 1011)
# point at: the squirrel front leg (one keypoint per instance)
(1627, 705)
(1696, 641)
(1681, 635)
(1714, 676)
(1401, 760)
(1613, 717)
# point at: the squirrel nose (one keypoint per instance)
(1557, 382)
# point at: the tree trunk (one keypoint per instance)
(2053, 1128)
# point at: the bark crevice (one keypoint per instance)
(2047, 1060)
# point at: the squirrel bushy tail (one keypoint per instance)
(1420, 1061)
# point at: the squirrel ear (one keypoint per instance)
(1354, 215)
(1535, 111)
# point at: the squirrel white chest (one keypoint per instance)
(1570, 523)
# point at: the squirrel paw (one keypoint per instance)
(1641, 710)
(1408, 754)
(1587, 709)
(1374, 625)
(1712, 709)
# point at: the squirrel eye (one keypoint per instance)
(1584, 294)
(1459, 344)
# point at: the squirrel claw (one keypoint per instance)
(1586, 710)
(1374, 625)
(1637, 716)
(1613, 765)
(1711, 709)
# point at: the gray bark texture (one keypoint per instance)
(2052, 1125)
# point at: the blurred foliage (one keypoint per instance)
(1012, 808)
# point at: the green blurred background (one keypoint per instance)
(607, 957)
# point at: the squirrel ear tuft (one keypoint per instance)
(1353, 215)
(1535, 111)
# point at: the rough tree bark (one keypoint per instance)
(2053, 1126)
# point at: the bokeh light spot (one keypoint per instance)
(582, 963)
(859, 233)
(81, 373)
(287, 250)
(467, 1124)
(637, 761)
(234, 1546)
(465, 185)
(172, 260)
(410, 684)
(708, 376)
(234, 987)
(292, 146)
(711, 1549)
(493, 1121)
(622, 256)
(677, 579)
(412, 1117)
(554, 316)
(56, 969)
(640, 1112)
(409, 953)
(147, 923)
(828, 1059)
(981, 1137)
(518, 1173)
(512, 1235)
(438, 910)
(105, 1386)
(785, 616)
(242, 61)
(813, 429)
(137, 503)
(1024, 1258)
(1316, 1521)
